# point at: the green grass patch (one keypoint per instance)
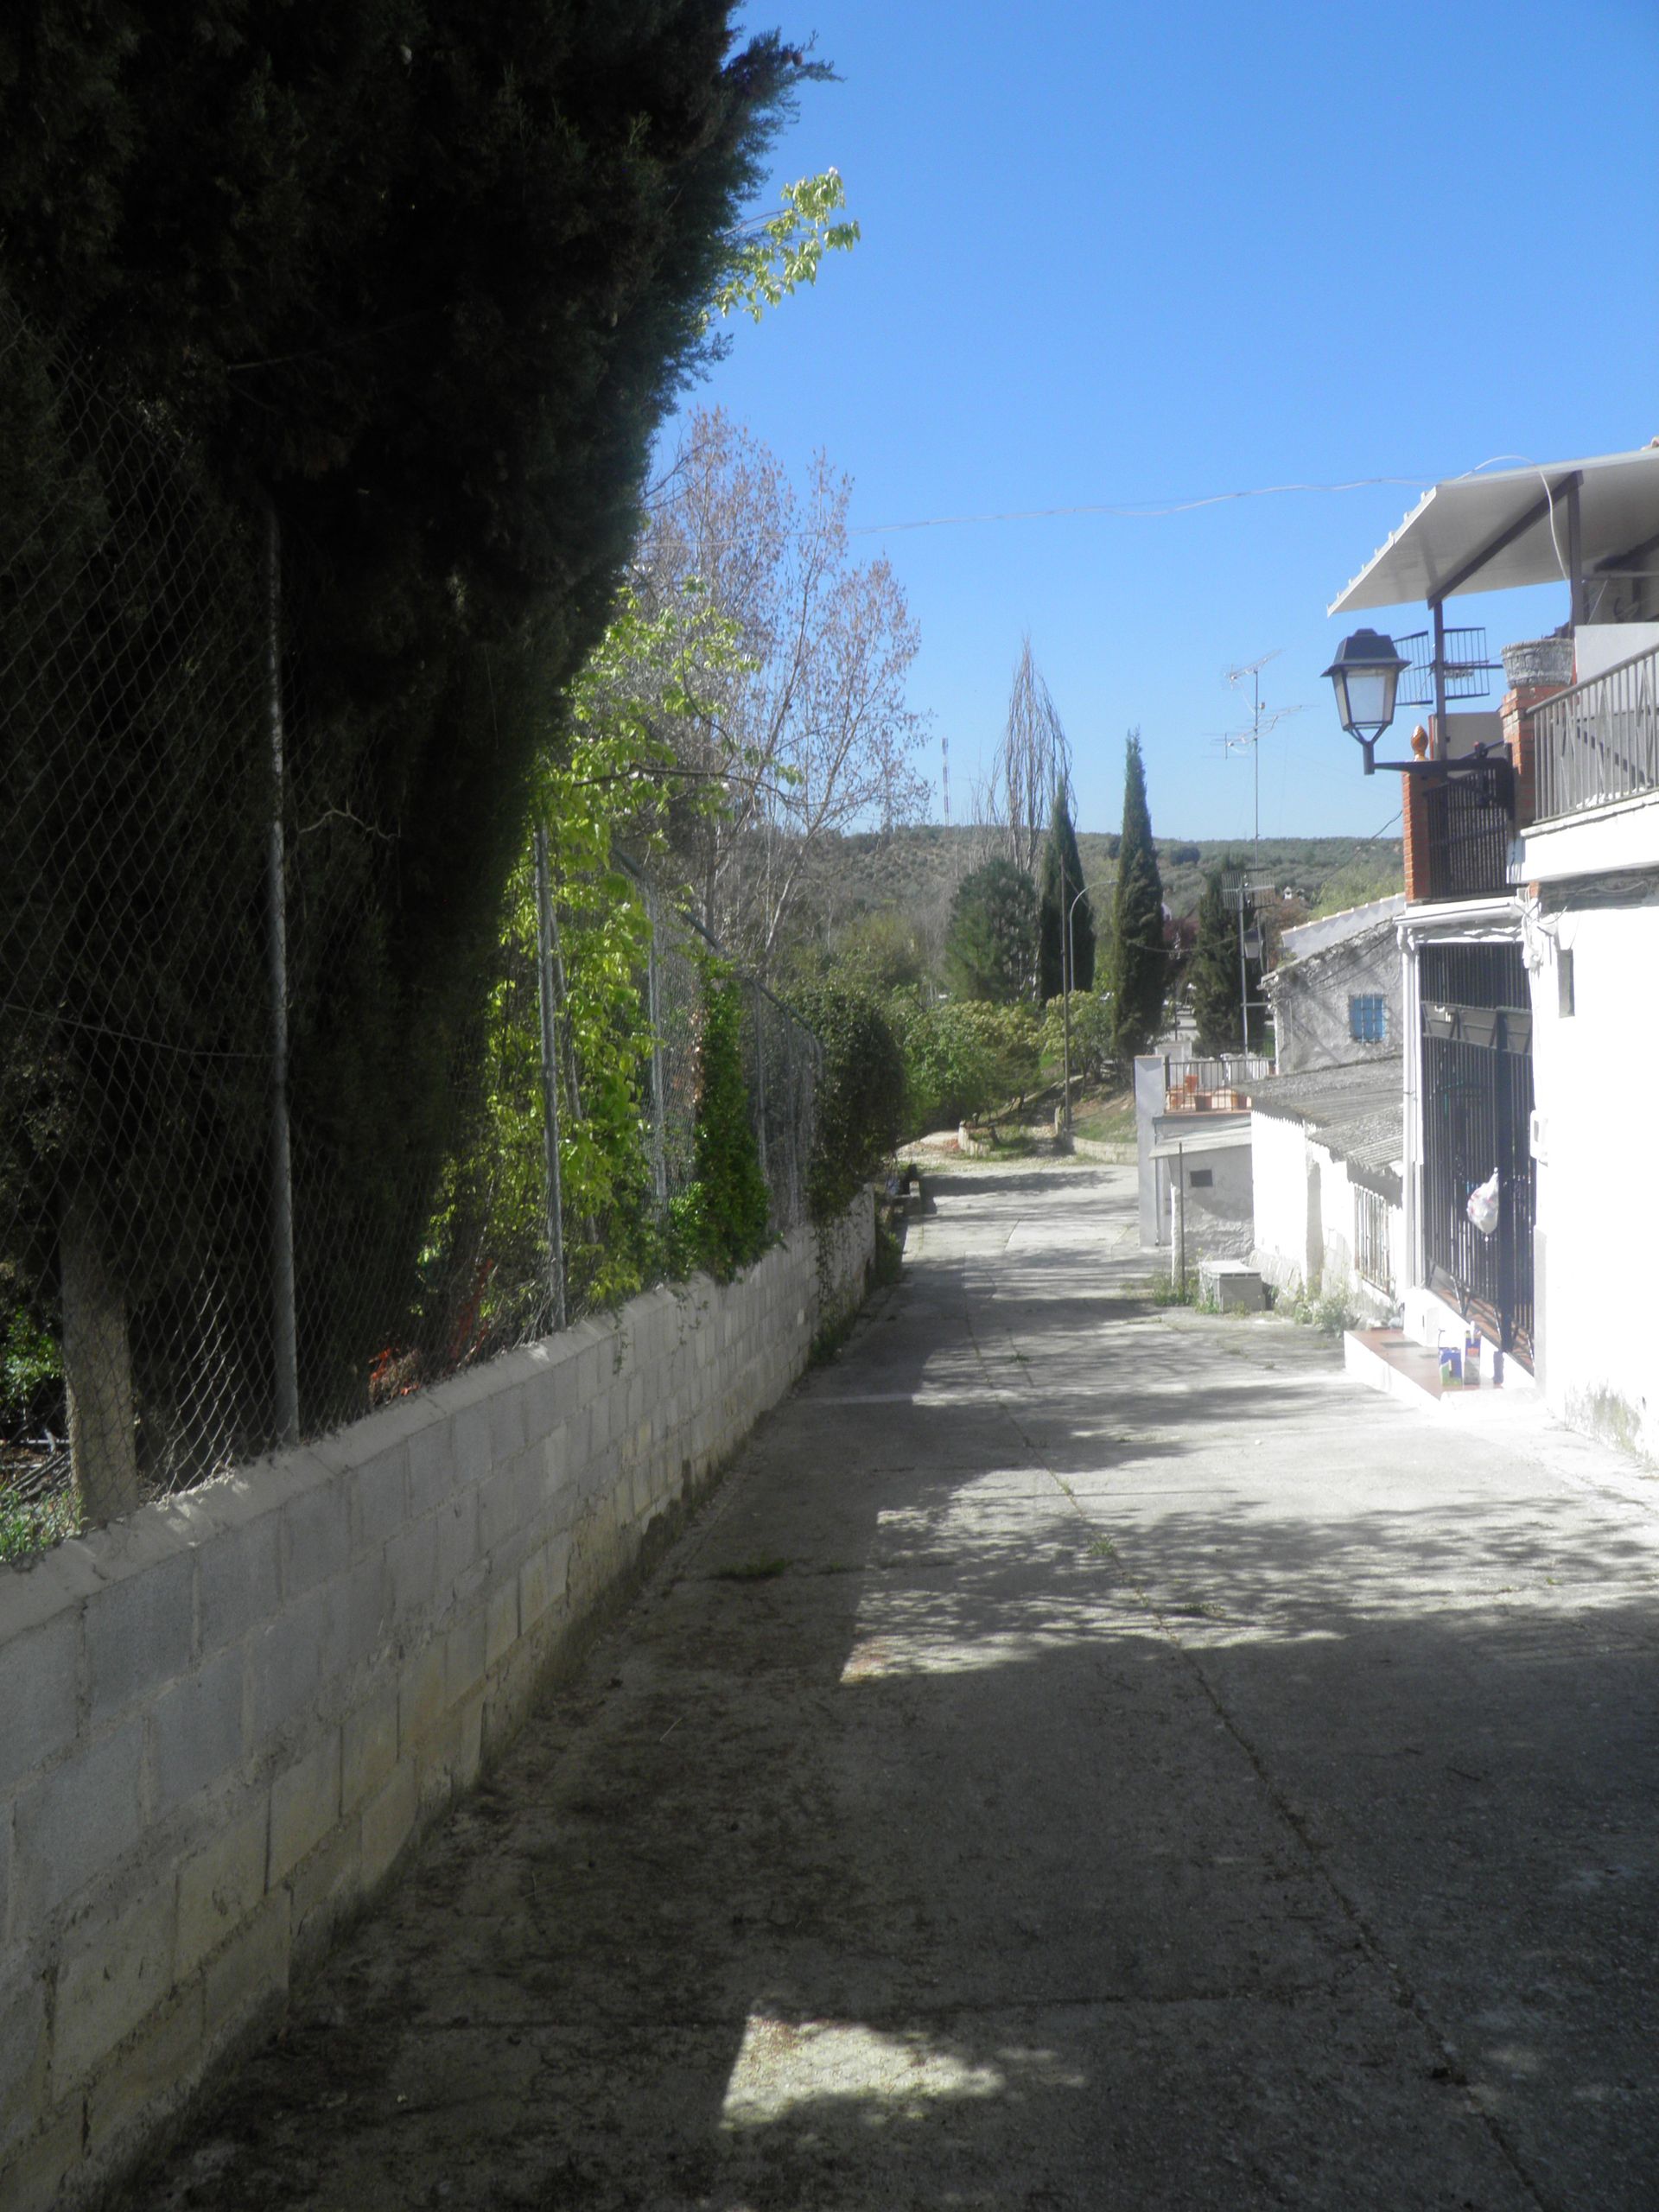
(30, 1525)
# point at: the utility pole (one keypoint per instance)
(1249, 948)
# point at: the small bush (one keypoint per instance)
(28, 1526)
(1317, 1309)
(860, 1093)
(1092, 1036)
(963, 1059)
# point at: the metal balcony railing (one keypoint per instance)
(1469, 837)
(1218, 1086)
(1599, 741)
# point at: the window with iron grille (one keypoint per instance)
(1367, 1018)
(1372, 1255)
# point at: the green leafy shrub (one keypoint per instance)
(31, 1369)
(720, 1220)
(963, 1059)
(1092, 1036)
(860, 1095)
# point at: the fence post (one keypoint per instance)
(653, 1015)
(284, 1337)
(552, 1189)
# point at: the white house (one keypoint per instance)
(1335, 993)
(1325, 1146)
(1530, 932)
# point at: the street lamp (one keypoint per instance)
(1365, 675)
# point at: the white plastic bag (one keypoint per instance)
(1483, 1207)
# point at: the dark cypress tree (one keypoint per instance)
(990, 941)
(1212, 972)
(1062, 881)
(428, 281)
(1139, 959)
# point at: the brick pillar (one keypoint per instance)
(1517, 736)
(1413, 821)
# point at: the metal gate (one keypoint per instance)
(1477, 1048)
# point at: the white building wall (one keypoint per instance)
(1278, 1158)
(1596, 1076)
(1212, 1215)
(1306, 1235)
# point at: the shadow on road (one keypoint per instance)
(1069, 1767)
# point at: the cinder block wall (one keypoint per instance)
(223, 1720)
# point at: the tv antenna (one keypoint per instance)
(1263, 720)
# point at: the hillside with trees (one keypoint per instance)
(913, 871)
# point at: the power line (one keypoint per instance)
(1140, 510)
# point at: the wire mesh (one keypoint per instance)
(142, 675)
(134, 1073)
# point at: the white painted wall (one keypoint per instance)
(1214, 1217)
(1279, 1160)
(1304, 1228)
(1596, 1080)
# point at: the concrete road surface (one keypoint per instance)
(1086, 1757)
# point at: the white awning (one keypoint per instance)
(1492, 532)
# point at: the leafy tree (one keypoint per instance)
(883, 949)
(859, 1100)
(1212, 971)
(775, 256)
(962, 1058)
(1061, 884)
(808, 736)
(1033, 760)
(990, 941)
(1138, 958)
(1091, 1035)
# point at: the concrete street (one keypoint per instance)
(1085, 1756)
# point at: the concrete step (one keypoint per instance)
(1390, 1361)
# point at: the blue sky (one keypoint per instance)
(1154, 252)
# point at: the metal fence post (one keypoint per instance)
(284, 1336)
(552, 1189)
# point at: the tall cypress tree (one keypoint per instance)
(1062, 881)
(1213, 983)
(990, 940)
(428, 281)
(1138, 960)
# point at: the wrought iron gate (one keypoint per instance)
(1477, 1047)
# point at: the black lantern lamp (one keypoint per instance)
(1365, 675)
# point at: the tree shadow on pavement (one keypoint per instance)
(1147, 1785)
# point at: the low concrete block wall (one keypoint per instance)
(223, 1720)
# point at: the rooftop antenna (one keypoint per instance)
(1261, 721)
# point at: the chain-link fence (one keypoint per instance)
(188, 1276)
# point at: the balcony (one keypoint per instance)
(1599, 741)
(1220, 1086)
(1466, 839)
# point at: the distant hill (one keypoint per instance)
(916, 870)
